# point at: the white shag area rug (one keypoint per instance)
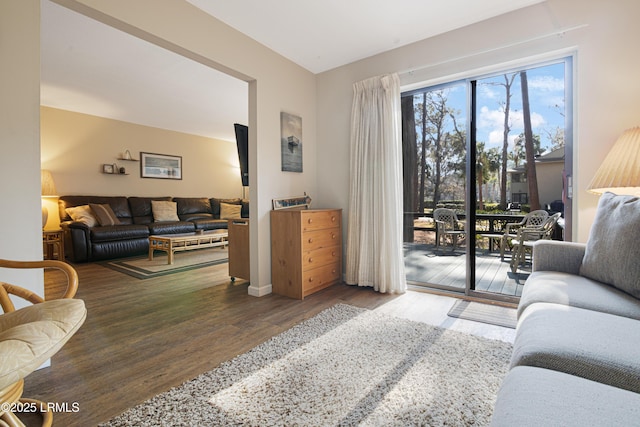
(345, 366)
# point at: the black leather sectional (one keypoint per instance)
(131, 236)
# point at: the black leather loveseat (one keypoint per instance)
(136, 223)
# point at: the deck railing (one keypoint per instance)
(485, 223)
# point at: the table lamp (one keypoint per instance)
(48, 190)
(620, 171)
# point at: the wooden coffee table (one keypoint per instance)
(171, 243)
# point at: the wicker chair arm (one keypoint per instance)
(6, 288)
(510, 225)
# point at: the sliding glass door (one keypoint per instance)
(479, 156)
(435, 147)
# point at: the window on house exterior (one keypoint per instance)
(463, 143)
(520, 198)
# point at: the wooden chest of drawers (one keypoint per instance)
(306, 250)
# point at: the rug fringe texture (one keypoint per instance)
(346, 366)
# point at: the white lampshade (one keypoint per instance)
(47, 185)
(620, 171)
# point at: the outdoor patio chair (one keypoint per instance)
(532, 219)
(528, 236)
(447, 224)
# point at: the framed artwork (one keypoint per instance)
(108, 168)
(291, 142)
(299, 202)
(161, 166)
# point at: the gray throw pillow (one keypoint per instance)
(613, 250)
(104, 214)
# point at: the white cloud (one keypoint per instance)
(489, 92)
(547, 84)
(491, 125)
(489, 119)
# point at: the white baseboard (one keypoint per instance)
(260, 291)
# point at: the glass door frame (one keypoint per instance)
(569, 78)
(470, 169)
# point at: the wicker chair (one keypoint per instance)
(528, 236)
(447, 224)
(29, 336)
(532, 219)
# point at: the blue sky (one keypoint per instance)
(546, 99)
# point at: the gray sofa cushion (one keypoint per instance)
(557, 255)
(596, 346)
(577, 291)
(613, 247)
(534, 397)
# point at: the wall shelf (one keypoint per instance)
(126, 156)
(113, 169)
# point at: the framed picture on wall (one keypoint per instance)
(161, 166)
(291, 142)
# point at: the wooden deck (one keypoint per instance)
(427, 266)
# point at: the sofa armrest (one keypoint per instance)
(77, 240)
(554, 255)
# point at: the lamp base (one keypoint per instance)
(45, 216)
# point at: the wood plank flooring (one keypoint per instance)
(142, 337)
(426, 265)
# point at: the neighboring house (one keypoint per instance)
(549, 170)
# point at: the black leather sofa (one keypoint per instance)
(131, 236)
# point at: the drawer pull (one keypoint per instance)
(310, 220)
(310, 260)
(333, 219)
(333, 235)
(310, 279)
(310, 240)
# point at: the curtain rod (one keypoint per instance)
(559, 33)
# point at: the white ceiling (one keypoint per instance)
(91, 68)
(321, 35)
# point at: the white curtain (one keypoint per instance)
(374, 238)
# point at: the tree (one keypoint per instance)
(487, 164)
(423, 159)
(518, 154)
(437, 116)
(508, 82)
(480, 160)
(532, 178)
(448, 147)
(409, 166)
(556, 136)
(439, 145)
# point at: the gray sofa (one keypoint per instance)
(576, 356)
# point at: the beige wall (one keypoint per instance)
(606, 83)
(75, 146)
(20, 218)
(275, 84)
(605, 97)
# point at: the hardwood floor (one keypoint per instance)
(142, 337)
